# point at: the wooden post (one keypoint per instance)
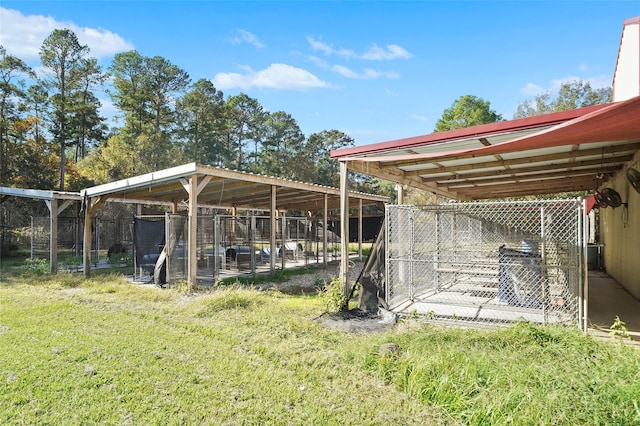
(86, 243)
(325, 232)
(360, 229)
(53, 234)
(192, 268)
(344, 220)
(400, 191)
(272, 234)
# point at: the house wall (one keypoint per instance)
(620, 233)
(626, 79)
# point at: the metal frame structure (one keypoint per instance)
(194, 186)
(489, 262)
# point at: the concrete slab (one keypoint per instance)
(607, 299)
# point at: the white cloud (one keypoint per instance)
(531, 89)
(370, 74)
(584, 68)
(373, 53)
(344, 71)
(276, 76)
(597, 82)
(600, 81)
(243, 36)
(328, 50)
(418, 117)
(393, 51)
(22, 35)
(318, 61)
(367, 74)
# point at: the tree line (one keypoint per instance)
(52, 135)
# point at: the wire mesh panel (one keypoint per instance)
(40, 237)
(491, 262)
(176, 237)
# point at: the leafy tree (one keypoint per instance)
(147, 90)
(11, 94)
(244, 124)
(571, 95)
(129, 90)
(112, 160)
(88, 126)
(36, 105)
(324, 170)
(61, 53)
(465, 112)
(165, 81)
(201, 113)
(282, 146)
(37, 159)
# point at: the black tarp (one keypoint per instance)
(372, 278)
(370, 227)
(148, 239)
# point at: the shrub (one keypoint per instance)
(332, 295)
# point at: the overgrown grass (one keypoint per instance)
(109, 352)
(106, 351)
(524, 374)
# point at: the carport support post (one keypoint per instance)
(193, 232)
(86, 243)
(400, 192)
(53, 235)
(360, 229)
(283, 240)
(54, 211)
(325, 234)
(344, 227)
(272, 233)
(90, 206)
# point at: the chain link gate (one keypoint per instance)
(487, 262)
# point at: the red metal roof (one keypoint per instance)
(559, 152)
(484, 129)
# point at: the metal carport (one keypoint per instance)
(56, 201)
(193, 186)
(578, 150)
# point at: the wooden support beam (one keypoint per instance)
(325, 232)
(559, 165)
(272, 232)
(53, 235)
(90, 206)
(360, 230)
(192, 266)
(344, 220)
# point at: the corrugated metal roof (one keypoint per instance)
(224, 188)
(552, 153)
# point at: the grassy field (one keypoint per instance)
(104, 351)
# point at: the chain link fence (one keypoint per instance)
(228, 245)
(488, 262)
(107, 233)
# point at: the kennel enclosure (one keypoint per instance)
(488, 262)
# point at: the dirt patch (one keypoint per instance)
(307, 283)
(358, 321)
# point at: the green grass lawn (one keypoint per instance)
(105, 351)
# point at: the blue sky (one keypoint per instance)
(377, 71)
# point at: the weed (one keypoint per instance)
(39, 266)
(619, 329)
(118, 259)
(332, 295)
